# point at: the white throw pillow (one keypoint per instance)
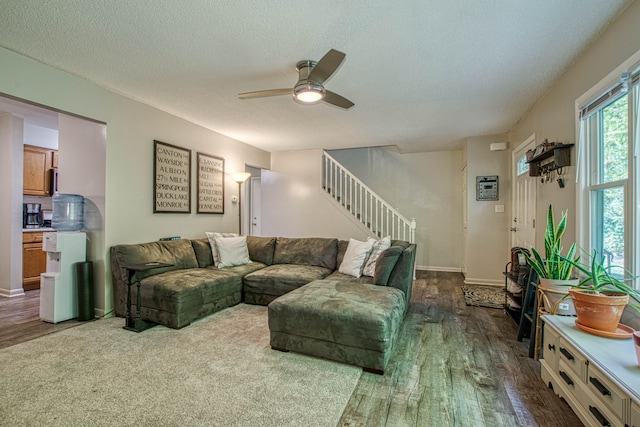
(378, 247)
(212, 242)
(354, 257)
(232, 251)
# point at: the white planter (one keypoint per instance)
(552, 293)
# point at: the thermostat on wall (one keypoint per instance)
(487, 187)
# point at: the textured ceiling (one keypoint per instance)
(423, 74)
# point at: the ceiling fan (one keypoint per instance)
(310, 89)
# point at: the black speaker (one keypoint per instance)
(83, 276)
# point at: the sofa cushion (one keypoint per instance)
(317, 251)
(202, 249)
(378, 247)
(180, 253)
(345, 278)
(261, 249)
(278, 279)
(232, 251)
(385, 264)
(187, 290)
(353, 260)
(212, 242)
(354, 315)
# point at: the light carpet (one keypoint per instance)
(220, 371)
(484, 296)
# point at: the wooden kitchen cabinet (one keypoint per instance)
(38, 162)
(34, 260)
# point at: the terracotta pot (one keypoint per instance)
(552, 293)
(599, 311)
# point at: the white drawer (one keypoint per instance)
(635, 415)
(550, 342)
(573, 358)
(605, 391)
(570, 380)
(596, 412)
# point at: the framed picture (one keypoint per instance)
(172, 178)
(210, 184)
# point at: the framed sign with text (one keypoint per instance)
(210, 184)
(172, 178)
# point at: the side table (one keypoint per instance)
(136, 323)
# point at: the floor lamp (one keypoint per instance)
(240, 177)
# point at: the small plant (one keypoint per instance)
(599, 279)
(554, 265)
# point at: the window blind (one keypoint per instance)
(613, 93)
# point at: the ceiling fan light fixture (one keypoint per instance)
(308, 92)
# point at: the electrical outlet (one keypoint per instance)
(499, 208)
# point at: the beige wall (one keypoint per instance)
(487, 236)
(424, 186)
(553, 116)
(294, 204)
(11, 135)
(131, 129)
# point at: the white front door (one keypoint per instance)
(523, 225)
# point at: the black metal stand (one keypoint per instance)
(136, 324)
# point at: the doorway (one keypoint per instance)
(81, 151)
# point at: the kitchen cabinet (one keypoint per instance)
(34, 260)
(38, 162)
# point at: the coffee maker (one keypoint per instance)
(31, 215)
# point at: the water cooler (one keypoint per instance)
(58, 292)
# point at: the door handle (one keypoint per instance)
(513, 229)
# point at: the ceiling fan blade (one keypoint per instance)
(264, 93)
(326, 66)
(337, 100)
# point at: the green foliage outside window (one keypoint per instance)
(614, 156)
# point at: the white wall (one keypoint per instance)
(424, 186)
(82, 170)
(11, 135)
(487, 242)
(293, 204)
(553, 116)
(40, 136)
(131, 129)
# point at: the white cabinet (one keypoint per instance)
(635, 415)
(598, 377)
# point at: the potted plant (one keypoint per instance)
(601, 296)
(555, 270)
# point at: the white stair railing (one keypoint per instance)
(363, 203)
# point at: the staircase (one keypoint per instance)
(364, 204)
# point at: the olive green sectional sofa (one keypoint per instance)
(193, 287)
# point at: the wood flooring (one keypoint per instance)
(454, 365)
(20, 320)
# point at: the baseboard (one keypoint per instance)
(444, 269)
(486, 282)
(11, 293)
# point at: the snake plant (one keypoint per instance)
(554, 265)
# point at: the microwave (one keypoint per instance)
(53, 181)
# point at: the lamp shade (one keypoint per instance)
(240, 177)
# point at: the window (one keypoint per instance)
(607, 191)
(523, 166)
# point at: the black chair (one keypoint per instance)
(529, 314)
